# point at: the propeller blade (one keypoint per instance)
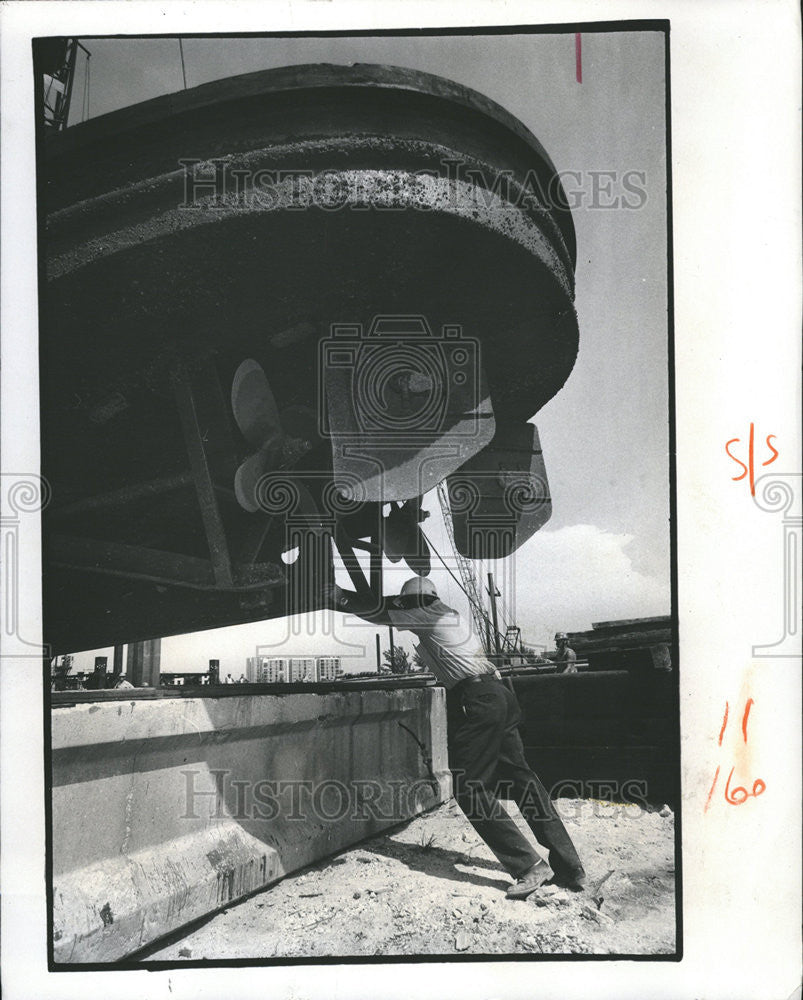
(254, 406)
(248, 475)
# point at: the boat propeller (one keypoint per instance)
(279, 439)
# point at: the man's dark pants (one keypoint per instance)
(486, 757)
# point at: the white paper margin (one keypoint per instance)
(735, 86)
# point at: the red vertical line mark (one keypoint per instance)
(744, 719)
(751, 460)
(578, 57)
(724, 723)
(713, 786)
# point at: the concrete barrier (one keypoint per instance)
(166, 810)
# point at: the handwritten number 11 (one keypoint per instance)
(737, 795)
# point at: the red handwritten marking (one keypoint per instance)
(578, 57)
(735, 459)
(731, 796)
(724, 723)
(773, 449)
(713, 786)
(738, 795)
(744, 720)
(750, 467)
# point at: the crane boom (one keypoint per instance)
(55, 60)
(482, 622)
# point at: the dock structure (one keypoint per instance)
(170, 806)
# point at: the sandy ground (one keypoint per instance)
(432, 887)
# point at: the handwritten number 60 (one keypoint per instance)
(740, 794)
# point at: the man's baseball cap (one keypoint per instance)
(561, 635)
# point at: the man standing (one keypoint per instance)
(565, 658)
(485, 748)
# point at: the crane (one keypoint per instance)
(55, 63)
(497, 647)
(482, 621)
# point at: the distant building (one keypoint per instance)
(303, 670)
(330, 668)
(252, 669)
(288, 670)
(266, 670)
(275, 670)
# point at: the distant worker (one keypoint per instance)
(484, 744)
(565, 657)
(229, 679)
(123, 683)
(242, 679)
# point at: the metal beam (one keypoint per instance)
(352, 564)
(169, 568)
(134, 561)
(196, 439)
(143, 663)
(117, 669)
(376, 562)
(124, 495)
(493, 593)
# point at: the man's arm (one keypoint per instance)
(365, 607)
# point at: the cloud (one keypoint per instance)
(568, 578)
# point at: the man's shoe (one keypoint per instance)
(575, 880)
(530, 881)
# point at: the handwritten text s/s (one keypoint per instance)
(750, 466)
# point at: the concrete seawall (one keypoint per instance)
(167, 810)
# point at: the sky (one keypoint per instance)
(605, 553)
